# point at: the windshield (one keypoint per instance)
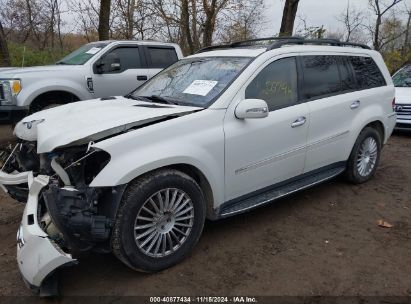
(83, 54)
(402, 79)
(193, 81)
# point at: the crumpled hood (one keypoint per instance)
(91, 120)
(403, 96)
(21, 72)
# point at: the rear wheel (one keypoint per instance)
(160, 219)
(365, 156)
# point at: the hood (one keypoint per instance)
(21, 72)
(92, 120)
(403, 95)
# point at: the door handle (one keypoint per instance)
(355, 105)
(299, 122)
(142, 78)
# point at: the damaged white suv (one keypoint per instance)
(216, 134)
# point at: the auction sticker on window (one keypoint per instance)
(200, 87)
(93, 50)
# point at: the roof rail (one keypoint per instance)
(277, 42)
(303, 41)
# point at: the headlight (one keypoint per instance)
(9, 89)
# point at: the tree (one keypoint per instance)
(4, 51)
(380, 8)
(289, 14)
(352, 20)
(104, 20)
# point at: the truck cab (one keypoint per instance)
(96, 70)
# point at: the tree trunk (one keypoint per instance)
(407, 36)
(376, 43)
(185, 25)
(289, 14)
(104, 20)
(4, 51)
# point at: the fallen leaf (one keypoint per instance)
(384, 224)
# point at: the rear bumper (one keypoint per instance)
(37, 255)
(12, 114)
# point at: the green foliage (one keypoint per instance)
(394, 60)
(33, 57)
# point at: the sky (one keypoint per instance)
(316, 12)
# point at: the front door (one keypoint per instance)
(263, 152)
(121, 75)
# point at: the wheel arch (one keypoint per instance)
(200, 178)
(61, 95)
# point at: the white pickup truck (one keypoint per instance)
(96, 70)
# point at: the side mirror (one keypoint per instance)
(251, 109)
(109, 63)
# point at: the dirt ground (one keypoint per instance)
(323, 241)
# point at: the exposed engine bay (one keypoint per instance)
(74, 215)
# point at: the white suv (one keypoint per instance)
(402, 82)
(218, 133)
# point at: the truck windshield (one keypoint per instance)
(402, 79)
(193, 81)
(83, 54)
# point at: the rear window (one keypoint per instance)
(321, 76)
(367, 73)
(160, 58)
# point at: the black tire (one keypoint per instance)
(40, 106)
(353, 174)
(124, 243)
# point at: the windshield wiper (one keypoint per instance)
(160, 99)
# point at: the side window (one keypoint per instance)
(161, 58)
(126, 57)
(321, 76)
(276, 84)
(367, 73)
(347, 78)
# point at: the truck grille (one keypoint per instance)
(403, 109)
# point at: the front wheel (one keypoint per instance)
(159, 221)
(365, 156)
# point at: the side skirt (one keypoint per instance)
(277, 191)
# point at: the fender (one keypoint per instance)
(29, 93)
(165, 144)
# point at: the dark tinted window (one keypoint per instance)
(161, 58)
(276, 84)
(367, 73)
(347, 78)
(321, 76)
(128, 57)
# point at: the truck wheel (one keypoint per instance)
(159, 221)
(365, 156)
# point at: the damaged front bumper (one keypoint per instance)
(38, 256)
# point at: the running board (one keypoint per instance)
(279, 191)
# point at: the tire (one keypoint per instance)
(40, 106)
(131, 246)
(365, 156)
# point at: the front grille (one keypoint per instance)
(403, 109)
(2, 97)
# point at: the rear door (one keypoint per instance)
(159, 58)
(131, 74)
(329, 89)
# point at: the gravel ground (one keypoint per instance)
(323, 241)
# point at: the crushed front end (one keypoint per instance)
(64, 216)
